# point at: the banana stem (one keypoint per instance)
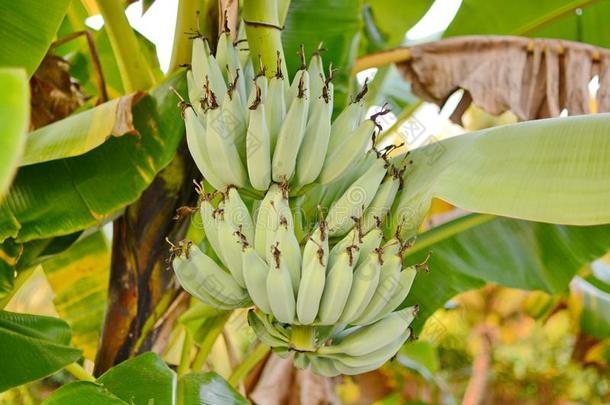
(302, 338)
(185, 22)
(185, 357)
(79, 372)
(263, 30)
(136, 74)
(164, 303)
(259, 353)
(216, 325)
(282, 8)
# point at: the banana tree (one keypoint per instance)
(304, 219)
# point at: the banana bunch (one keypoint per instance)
(306, 292)
(248, 130)
(298, 223)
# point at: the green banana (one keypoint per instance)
(199, 63)
(210, 226)
(370, 242)
(221, 147)
(273, 326)
(249, 77)
(311, 155)
(279, 289)
(343, 155)
(382, 354)
(235, 119)
(228, 61)
(258, 145)
(231, 242)
(355, 200)
(353, 238)
(337, 288)
(193, 92)
(402, 290)
(345, 123)
(318, 239)
(388, 283)
(195, 138)
(260, 81)
(201, 277)
(205, 68)
(255, 278)
(291, 134)
(302, 75)
(311, 287)
(265, 217)
(280, 211)
(324, 366)
(237, 213)
(285, 239)
(350, 365)
(262, 334)
(225, 54)
(275, 107)
(391, 248)
(243, 52)
(336, 189)
(374, 336)
(366, 278)
(381, 204)
(315, 71)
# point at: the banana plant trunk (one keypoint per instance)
(139, 274)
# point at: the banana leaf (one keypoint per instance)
(553, 170)
(14, 118)
(475, 250)
(144, 380)
(32, 347)
(66, 195)
(27, 28)
(544, 19)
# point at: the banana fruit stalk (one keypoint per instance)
(295, 223)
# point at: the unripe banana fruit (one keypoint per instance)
(295, 222)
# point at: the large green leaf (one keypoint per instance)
(83, 392)
(335, 23)
(393, 18)
(209, 389)
(32, 347)
(66, 195)
(14, 118)
(27, 28)
(544, 18)
(79, 279)
(554, 170)
(146, 380)
(18, 257)
(472, 251)
(594, 296)
(80, 133)
(142, 380)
